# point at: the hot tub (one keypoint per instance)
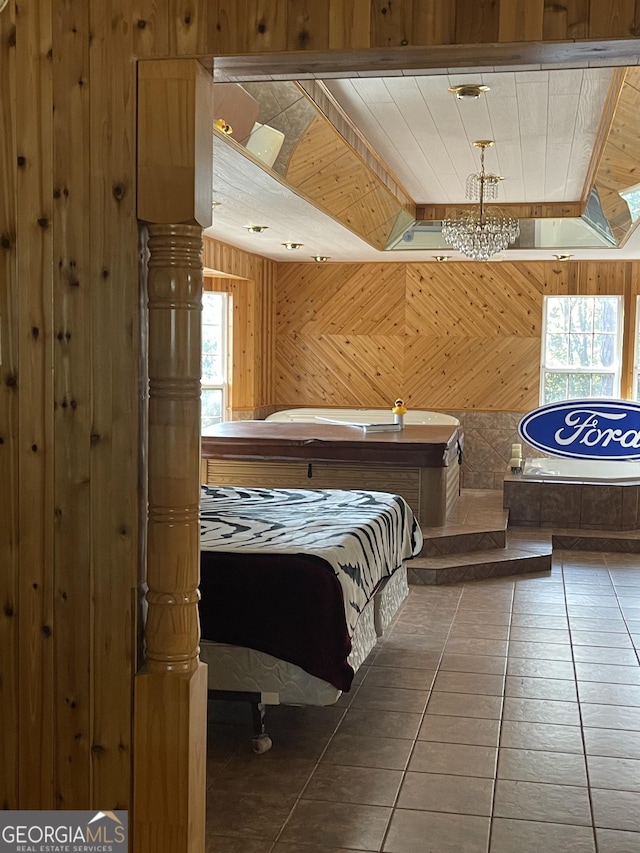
(360, 416)
(420, 462)
(582, 470)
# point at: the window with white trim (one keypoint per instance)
(581, 347)
(214, 382)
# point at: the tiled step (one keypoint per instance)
(478, 565)
(619, 541)
(478, 522)
(474, 544)
(441, 541)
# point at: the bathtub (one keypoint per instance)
(589, 494)
(361, 416)
(582, 470)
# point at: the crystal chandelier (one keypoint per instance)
(479, 232)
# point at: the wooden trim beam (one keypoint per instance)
(438, 59)
(533, 210)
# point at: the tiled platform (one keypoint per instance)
(596, 506)
(477, 522)
(497, 716)
(625, 542)
(475, 544)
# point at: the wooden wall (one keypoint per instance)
(250, 280)
(72, 321)
(246, 26)
(443, 336)
(69, 420)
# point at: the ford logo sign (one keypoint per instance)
(585, 429)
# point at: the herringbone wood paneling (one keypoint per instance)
(443, 336)
(471, 372)
(446, 336)
(341, 299)
(463, 300)
(359, 370)
(594, 278)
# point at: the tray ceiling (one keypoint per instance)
(544, 123)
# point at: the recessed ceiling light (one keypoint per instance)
(291, 245)
(320, 258)
(441, 257)
(468, 92)
(563, 257)
(256, 229)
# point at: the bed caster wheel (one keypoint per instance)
(261, 743)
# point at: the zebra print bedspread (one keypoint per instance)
(363, 536)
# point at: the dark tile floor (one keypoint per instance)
(498, 716)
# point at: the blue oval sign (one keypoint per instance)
(585, 429)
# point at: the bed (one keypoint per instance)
(297, 585)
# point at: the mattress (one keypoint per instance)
(237, 668)
(388, 599)
(290, 572)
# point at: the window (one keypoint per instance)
(581, 347)
(214, 359)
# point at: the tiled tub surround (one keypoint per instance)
(588, 506)
(488, 437)
(495, 717)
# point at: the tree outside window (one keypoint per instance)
(581, 347)
(214, 359)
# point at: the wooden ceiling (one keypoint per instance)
(547, 125)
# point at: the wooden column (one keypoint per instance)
(170, 703)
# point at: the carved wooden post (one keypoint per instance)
(175, 298)
(174, 197)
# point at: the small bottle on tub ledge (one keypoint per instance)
(515, 463)
(399, 411)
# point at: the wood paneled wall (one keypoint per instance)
(250, 280)
(443, 336)
(252, 27)
(72, 323)
(69, 420)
